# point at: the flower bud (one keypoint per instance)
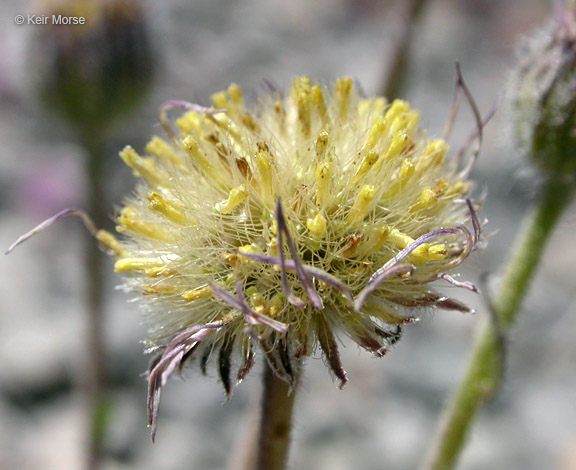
(543, 97)
(92, 73)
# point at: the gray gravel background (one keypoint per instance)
(385, 416)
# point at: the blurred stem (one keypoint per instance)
(481, 378)
(275, 422)
(94, 370)
(395, 78)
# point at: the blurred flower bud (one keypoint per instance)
(543, 97)
(94, 72)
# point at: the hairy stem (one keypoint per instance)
(395, 78)
(94, 369)
(481, 378)
(275, 422)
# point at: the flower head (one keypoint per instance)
(316, 213)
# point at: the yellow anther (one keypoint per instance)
(248, 121)
(157, 203)
(397, 109)
(408, 123)
(376, 132)
(137, 264)
(252, 248)
(362, 203)
(422, 253)
(130, 221)
(301, 94)
(256, 299)
(437, 252)
(426, 199)
(235, 198)
(190, 145)
(396, 146)
(272, 247)
(235, 93)
(375, 240)
(458, 188)
(321, 145)
(319, 103)
(197, 294)
(317, 226)
(401, 179)
(433, 155)
(264, 166)
(160, 290)
(110, 242)
(219, 99)
(144, 167)
(343, 91)
(162, 271)
(323, 175)
(161, 149)
(368, 162)
(191, 123)
(374, 105)
(275, 306)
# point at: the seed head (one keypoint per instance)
(315, 214)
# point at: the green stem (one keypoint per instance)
(275, 422)
(395, 77)
(484, 367)
(94, 370)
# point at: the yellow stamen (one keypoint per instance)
(219, 99)
(160, 289)
(375, 240)
(275, 306)
(368, 162)
(317, 226)
(191, 123)
(318, 100)
(130, 221)
(235, 198)
(362, 203)
(343, 91)
(376, 132)
(235, 93)
(161, 149)
(110, 242)
(323, 176)
(137, 264)
(405, 173)
(426, 199)
(197, 294)
(301, 92)
(159, 272)
(262, 160)
(157, 203)
(433, 155)
(423, 253)
(190, 145)
(256, 299)
(397, 109)
(321, 145)
(144, 167)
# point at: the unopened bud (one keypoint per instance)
(543, 97)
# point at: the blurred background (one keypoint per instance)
(385, 416)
